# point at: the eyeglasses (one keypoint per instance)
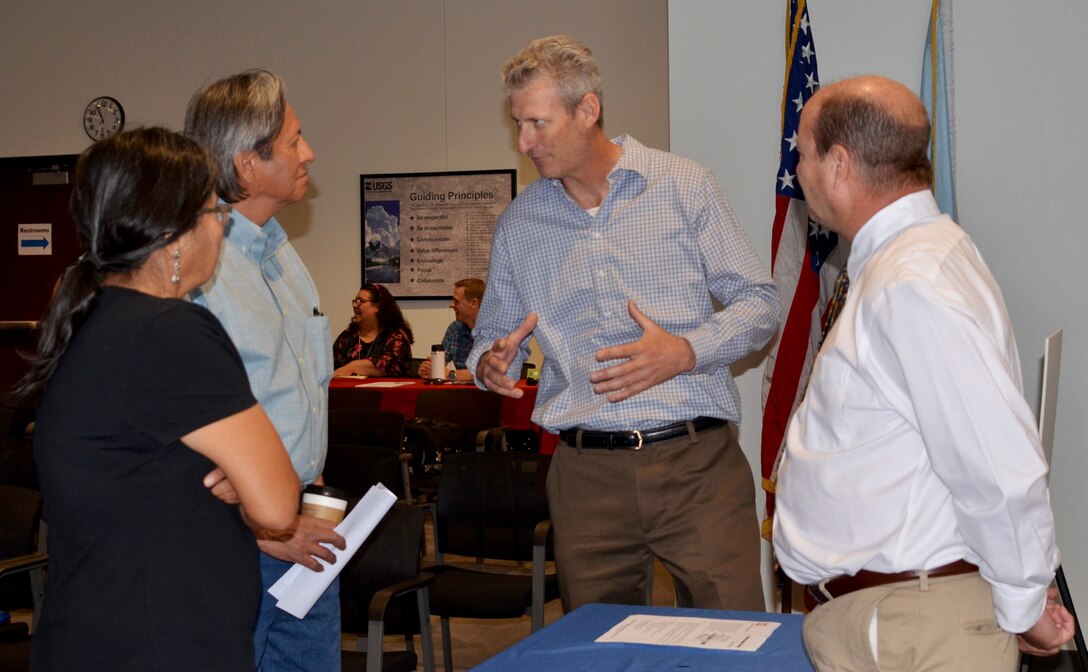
(222, 213)
(356, 301)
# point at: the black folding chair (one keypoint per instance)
(492, 506)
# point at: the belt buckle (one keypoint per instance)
(639, 435)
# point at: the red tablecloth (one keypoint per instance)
(513, 413)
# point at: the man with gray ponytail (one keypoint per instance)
(266, 299)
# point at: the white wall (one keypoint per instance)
(379, 86)
(1021, 140)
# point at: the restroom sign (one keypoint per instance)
(35, 239)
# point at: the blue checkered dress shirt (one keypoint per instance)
(664, 236)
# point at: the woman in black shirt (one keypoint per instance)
(147, 435)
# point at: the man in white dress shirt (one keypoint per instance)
(913, 498)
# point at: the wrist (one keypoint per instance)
(689, 364)
(265, 535)
(688, 359)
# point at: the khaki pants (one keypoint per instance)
(944, 624)
(689, 504)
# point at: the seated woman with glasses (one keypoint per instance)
(377, 342)
(147, 435)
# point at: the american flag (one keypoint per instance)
(805, 259)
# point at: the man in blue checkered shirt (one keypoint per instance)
(457, 343)
(612, 259)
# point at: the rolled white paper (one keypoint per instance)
(299, 589)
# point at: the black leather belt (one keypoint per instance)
(634, 440)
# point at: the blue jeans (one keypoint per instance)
(283, 643)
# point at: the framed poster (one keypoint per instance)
(421, 232)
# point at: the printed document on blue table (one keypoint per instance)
(699, 633)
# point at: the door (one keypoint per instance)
(37, 242)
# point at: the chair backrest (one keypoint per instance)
(354, 397)
(6, 416)
(490, 503)
(366, 426)
(17, 465)
(356, 468)
(391, 554)
(524, 440)
(364, 448)
(471, 410)
(20, 512)
(20, 515)
(1048, 401)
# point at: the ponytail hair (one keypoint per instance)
(133, 193)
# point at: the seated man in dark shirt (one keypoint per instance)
(457, 342)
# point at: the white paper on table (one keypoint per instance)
(699, 633)
(386, 383)
(300, 587)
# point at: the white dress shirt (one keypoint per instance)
(914, 446)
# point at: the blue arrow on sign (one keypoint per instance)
(30, 242)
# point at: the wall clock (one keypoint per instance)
(103, 117)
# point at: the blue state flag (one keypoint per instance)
(938, 86)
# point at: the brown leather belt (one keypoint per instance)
(842, 585)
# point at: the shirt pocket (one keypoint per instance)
(850, 405)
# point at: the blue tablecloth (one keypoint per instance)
(567, 644)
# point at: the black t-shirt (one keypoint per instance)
(147, 569)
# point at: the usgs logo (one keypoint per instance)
(375, 185)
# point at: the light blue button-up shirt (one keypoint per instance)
(268, 303)
(664, 236)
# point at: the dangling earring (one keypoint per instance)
(176, 277)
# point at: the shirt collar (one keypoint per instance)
(635, 158)
(256, 243)
(887, 223)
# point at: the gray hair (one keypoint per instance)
(568, 62)
(241, 113)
